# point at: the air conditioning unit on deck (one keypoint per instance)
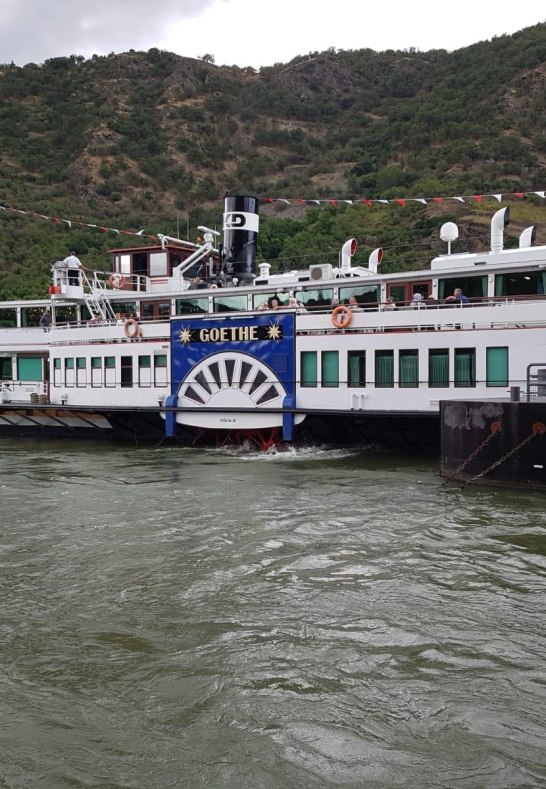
(321, 272)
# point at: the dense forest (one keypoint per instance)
(154, 141)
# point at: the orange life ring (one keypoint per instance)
(342, 317)
(116, 281)
(132, 328)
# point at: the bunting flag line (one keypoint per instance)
(72, 223)
(297, 201)
(401, 201)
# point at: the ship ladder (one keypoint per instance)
(538, 429)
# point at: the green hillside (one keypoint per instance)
(153, 140)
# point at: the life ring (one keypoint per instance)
(132, 328)
(116, 281)
(342, 317)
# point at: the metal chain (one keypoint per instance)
(496, 428)
(502, 459)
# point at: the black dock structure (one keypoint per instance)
(494, 443)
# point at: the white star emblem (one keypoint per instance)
(273, 331)
(185, 336)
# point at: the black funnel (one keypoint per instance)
(241, 224)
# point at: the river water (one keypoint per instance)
(176, 617)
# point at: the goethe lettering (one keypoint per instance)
(231, 334)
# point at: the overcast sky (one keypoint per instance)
(251, 32)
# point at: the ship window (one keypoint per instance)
(30, 316)
(356, 368)
(408, 369)
(57, 373)
(164, 309)
(81, 371)
(497, 366)
(6, 368)
(384, 369)
(96, 371)
(329, 368)
(122, 264)
(473, 287)
(438, 368)
(308, 361)
(267, 298)
(126, 371)
(65, 314)
(144, 370)
(230, 303)
(524, 283)
(69, 364)
(110, 371)
(315, 299)
(191, 306)
(160, 370)
(365, 294)
(465, 367)
(158, 264)
(8, 319)
(29, 368)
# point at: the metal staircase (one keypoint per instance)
(96, 301)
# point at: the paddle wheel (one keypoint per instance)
(262, 439)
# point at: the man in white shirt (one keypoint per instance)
(73, 265)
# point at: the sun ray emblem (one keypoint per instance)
(273, 331)
(185, 336)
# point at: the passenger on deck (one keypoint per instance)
(416, 300)
(263, 306)
(390, 304)
(458, 295)
(45, 319)
(274, 305)
(73, 264)
(353, 304)
(294, 303)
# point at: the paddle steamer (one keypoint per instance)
(184, 341)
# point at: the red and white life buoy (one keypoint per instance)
(132, 328)
(342, 317)
(116, 281)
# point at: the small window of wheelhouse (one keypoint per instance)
(158, 264)
(122, 263)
